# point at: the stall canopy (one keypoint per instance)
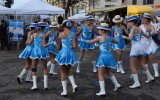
(5, 10)
(36, 7)
(79, 17)
(136, 9)
(157, 13)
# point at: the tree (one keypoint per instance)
(67, 3)
(8, 3)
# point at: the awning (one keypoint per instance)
(139, 9)
(108, 9)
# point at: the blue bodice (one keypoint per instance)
(52, 37)
(87, 33)
(38, 40)
(115, 31)
(68, 41)
(105, 47)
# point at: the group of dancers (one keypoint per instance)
(142, 48)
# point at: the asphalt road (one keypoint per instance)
(11, 66)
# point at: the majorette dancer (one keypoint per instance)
(39, 53)
(149, 44)
(52, 48)
(106, 59)
(67, 56)
(87, 34)
(137, 51)
(121, 45)
(26, 55)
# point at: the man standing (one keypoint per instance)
(3, 35)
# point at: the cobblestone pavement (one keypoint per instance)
(11, 66)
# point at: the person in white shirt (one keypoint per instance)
(156, 25)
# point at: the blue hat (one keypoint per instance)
(103, 26)
(33, 25)
(132, 18)
(89, 18)
(147, 15)
(41, 24)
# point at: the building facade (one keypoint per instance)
(154, 3)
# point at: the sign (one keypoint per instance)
(16, 30)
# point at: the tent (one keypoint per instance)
(35, 7)
(80, 16)
(5, 10)
(156, 13)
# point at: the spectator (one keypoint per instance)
(155, 23)
(4, 35)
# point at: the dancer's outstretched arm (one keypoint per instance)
(91, 41)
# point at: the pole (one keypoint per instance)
(17, 41)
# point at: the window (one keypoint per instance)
(134, 2)
(110, 0)
(109, 6)
(146, 2)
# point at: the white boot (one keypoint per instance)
(29, 77)
(74, 86)
(118, 67)
(149, 76)
(52, 70)
(146, 65)
(34, 83)
(19, 79)
(102, 88)
(49, 64)
(121, 67)
(136, 82)
(117, 85)
(45, 82)
(94, 66)
(155, 67)
(78, 67)
(64, 85)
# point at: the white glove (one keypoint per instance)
(123, 36)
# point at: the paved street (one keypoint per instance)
(11, 66)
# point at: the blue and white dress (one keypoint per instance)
(52, 47)
(121, 45)
(38, 51)
(27, 51)
(67, 55)
(148, 43)
(106, 58)
(137, 49)
(86, 35)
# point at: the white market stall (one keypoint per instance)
(5, 10)
(80, 16)
(36, 7)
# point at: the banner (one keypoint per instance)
(16, 30)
